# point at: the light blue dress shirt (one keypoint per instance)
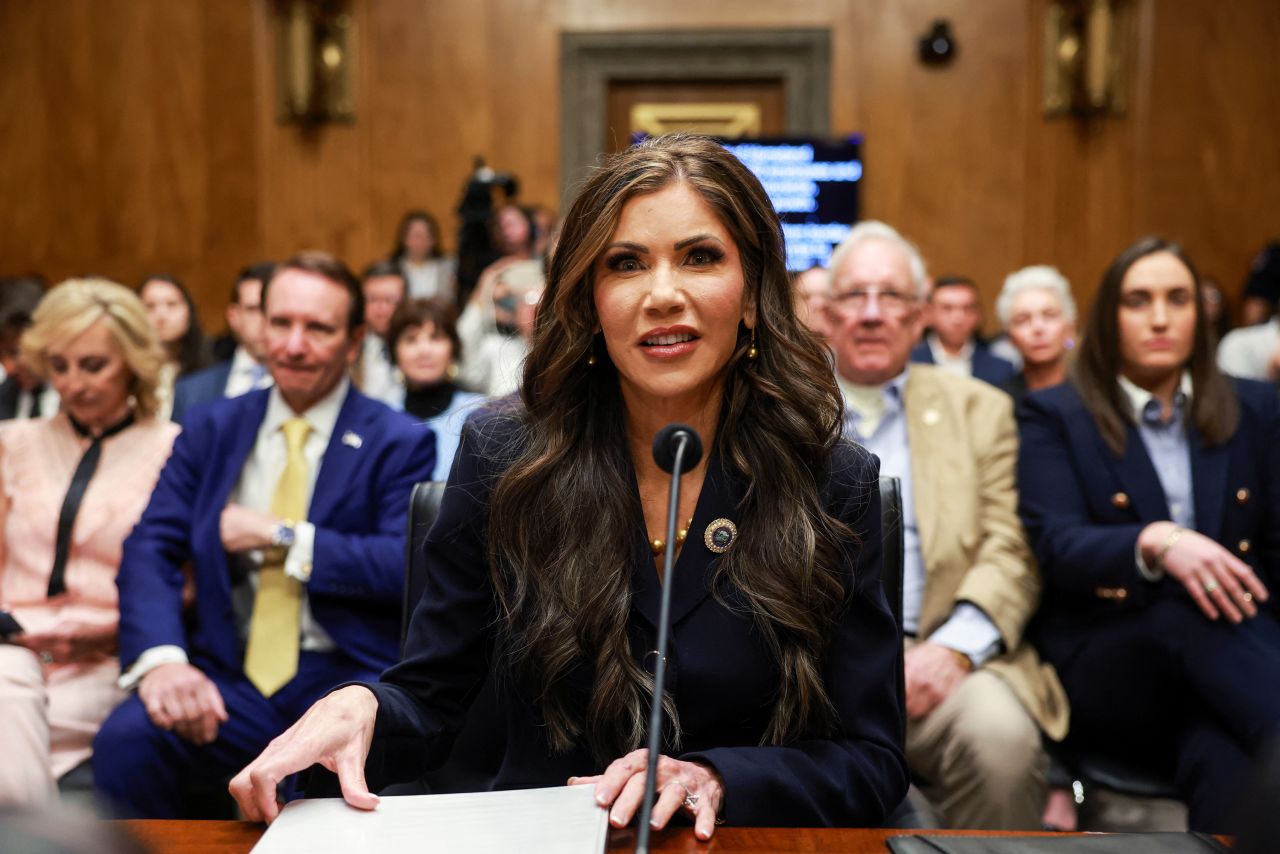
(968, 630)
(1170, 452)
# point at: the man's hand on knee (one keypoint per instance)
(932, 672)
(181, 698)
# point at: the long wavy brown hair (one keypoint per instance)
(564, 590)
(1215, 412)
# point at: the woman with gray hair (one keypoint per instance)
(71, 489)
(1038, 314)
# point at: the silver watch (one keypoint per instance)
(283, 536)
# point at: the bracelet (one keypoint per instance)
(1169, 542)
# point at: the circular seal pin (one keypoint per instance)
(720, 536)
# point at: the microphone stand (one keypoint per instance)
(680, 441)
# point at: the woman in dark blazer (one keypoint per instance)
(1150, 488)
(667, 300)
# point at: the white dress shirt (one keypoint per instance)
(255, 490)
(247, 374)
(961, 364)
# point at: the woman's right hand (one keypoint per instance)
(1218, 581)
(335, 732)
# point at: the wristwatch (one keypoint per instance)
(283, 536)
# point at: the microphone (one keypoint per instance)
(668, 440)
(676, 449)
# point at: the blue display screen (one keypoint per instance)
(813, 185)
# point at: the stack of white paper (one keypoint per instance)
(561, 820)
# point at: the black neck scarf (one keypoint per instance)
(75, 494)
(429, 401)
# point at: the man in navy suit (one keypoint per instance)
(284, 510)
(245, 371)
(951, 342)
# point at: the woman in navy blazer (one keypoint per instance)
(667, 301)
(1150, 488)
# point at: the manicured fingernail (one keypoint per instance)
(601, 799)
(702, 834)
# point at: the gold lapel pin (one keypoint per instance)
(1120, 500)
(720, 535)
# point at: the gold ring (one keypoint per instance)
(1211, 585)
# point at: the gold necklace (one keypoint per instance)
(658, 544)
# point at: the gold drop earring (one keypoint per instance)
(753, 352)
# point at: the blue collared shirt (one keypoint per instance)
(968, 630)
(1170, 452)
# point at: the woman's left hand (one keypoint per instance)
(70, 641)
(689, 785)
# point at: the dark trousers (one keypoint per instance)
(1174, 691)
(143, 771)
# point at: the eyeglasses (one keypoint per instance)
(854, 301)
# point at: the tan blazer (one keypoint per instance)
(964, 447)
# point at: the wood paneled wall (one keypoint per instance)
(141, 135)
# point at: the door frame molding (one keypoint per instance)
(801, 58)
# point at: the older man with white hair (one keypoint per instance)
(978, 698)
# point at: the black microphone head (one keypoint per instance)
(666, 442)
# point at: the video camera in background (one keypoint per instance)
(475, 240)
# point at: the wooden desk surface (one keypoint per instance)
(237, 837)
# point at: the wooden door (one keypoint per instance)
(725, 108)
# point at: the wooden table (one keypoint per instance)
(237, 837)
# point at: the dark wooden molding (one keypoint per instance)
(801, 58)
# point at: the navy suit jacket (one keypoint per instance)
(359, 508)
(203, 386)
(721, 677)
(987, 366)
(1084, 505)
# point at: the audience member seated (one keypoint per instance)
(288, 505)
(1149, 491)
(1262, 287)
(811, 298)
(421, 259)
(546, 229)
(954, 317)
(783, 698)
(23, 392)
(1215, 308)
(173, 316)
(424, 339)
(977, 696)
(60, 545)
(505, 301)
(1252, 352)
(374, 371)
(244, 371)
(1037, 311)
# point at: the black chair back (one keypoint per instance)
(891, 545)
(424, 504)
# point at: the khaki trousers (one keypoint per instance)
(979, 759)
(48, 718)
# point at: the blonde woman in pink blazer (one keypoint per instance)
(71, 489)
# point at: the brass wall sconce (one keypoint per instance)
(315, 61)
(1087, 57)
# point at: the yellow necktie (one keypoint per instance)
(271, 658)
